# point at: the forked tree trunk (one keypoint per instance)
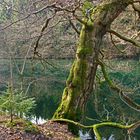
(79, 84)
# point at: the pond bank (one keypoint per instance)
(22, 130)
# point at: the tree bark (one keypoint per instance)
(79, 84)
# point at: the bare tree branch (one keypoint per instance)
(134, 42)
(122, 95)
(41, 33)
(112, 41)
(27, 16)
(74, 27)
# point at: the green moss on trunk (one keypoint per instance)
(82, 74)
(77, 78)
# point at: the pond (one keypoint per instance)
(46, 80)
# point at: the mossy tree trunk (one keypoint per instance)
(79, 84)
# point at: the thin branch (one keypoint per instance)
(19, 20)
(27, 16)
(53, 5)
(43, 8)
(122, 95)
(43, 59)
(134, 42)
(59, 8)
(36, 36)
(74, 27)
(111, 37)
(80, 20)
(41, 33)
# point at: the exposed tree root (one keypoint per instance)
(95, 127)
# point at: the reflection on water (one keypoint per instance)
(84, 136)
(46, 84)
(110, 138)
(37, 121)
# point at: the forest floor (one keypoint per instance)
(23, 130)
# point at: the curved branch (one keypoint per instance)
(95, 127)
(73, 26)
(41, 33)
(72, 122)
(80, 20)
(134, 42)
(111, 37)
(111, 124)
(122, 95)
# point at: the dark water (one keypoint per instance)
(46, 82)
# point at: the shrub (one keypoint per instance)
(16, 103)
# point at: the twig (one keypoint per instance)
(33, 13)
(111, 37)
(122, 95)
(41, 33)
(134, 42)
(74, 27)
